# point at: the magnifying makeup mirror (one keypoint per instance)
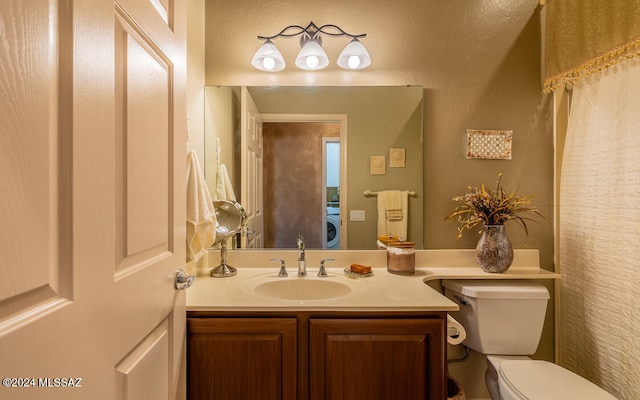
(231, 218)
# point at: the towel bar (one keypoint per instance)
(369, 193)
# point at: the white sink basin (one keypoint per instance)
(302, 289)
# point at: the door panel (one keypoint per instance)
(92, 191)
(143, 83)
(32, 255)
(251, 171)
(148, 362)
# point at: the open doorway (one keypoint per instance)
(331, 184)
(296, 195)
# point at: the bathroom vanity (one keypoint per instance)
(260, 336)
(316, 355)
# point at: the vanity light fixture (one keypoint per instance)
(312, 56)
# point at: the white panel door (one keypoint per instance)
(92, 199)
(251, 170)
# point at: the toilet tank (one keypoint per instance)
(500, 317)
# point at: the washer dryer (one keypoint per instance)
(333, 228)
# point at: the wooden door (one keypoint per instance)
(92, 181)
(251, 175)
(354, 359)
(242, 358)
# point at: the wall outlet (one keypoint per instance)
(356, 215)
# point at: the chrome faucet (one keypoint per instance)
(283, 268)
(302, 269)
(323, 272)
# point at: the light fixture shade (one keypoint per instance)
(354, 56)
(268, 58)
(312, 57)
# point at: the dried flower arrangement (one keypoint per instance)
(492, 207)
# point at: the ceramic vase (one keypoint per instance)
(494, 252)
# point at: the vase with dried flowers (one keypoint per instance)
(493, 208)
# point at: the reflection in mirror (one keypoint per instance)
(289, 182)
(230, 219)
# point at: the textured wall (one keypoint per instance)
(195, 76)
(479, 64)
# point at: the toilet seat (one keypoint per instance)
(542, 380)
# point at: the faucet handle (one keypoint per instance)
(323, 273)
(283, 269)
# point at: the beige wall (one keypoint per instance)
(195, 89)
(479, 64)
(195, 76)
(221, 107)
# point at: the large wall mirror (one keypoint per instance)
(300, 159)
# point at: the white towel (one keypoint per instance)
(392, 202)
(224, 189)
(393, 213)
(201, 217)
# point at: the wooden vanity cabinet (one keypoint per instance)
(376, 359)
(316, 355)
(241, 358)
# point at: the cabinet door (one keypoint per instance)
(377, 359)
(241, 358)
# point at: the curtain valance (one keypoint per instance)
(586, 36)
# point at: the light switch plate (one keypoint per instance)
(356, 215)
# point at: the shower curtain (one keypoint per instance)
(599, 228)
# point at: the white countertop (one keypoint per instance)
(381, 292)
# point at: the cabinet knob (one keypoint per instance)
(183, 280)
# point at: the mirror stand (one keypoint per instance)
(223, 270)
(230, 219)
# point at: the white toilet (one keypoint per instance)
(504, 319)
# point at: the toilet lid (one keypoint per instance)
(536, 379)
